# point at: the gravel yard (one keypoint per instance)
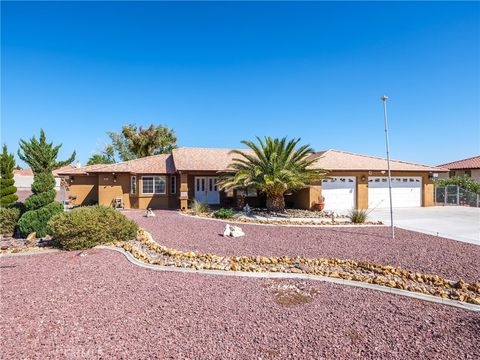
(410, 250)
(99, 305)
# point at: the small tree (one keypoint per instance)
(275, 167)
(41, 206)
(42, 156)
(7, 189)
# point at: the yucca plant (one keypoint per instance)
(274, 167)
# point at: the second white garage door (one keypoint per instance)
(339, 193)
(406, 192)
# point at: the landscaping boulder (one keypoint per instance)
(233, 231)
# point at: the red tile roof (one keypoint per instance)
(23, 172)
(29, 172)
(62, 169)
(341, 160)
(81, 170)
(470, 163)
(203, 159)
(209, 159)
(155, 164)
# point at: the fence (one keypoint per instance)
(455, 195)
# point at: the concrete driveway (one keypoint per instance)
(452, 222)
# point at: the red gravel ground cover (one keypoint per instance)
(67, 306)
(410, 250)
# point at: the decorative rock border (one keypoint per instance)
(269, 275)
(28, 251)
(145, 249)
(286, 222)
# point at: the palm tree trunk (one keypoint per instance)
(275, 203)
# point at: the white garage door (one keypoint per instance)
(406, 192)
(339, 193)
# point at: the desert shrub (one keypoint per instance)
(8, 220)
(36, 220)
(358, 216)
(199, 208)
(88, 226)
(34, 202)
(223, 213)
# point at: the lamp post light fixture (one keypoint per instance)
(384, 100)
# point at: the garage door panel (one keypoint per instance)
(339, 193)
(406, 192)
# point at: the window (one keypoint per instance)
(173, 184)
(153, 185)
(133, 185)
(451, 174)
(468, 173)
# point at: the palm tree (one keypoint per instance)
(274, 166)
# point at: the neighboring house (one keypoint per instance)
(24, 177)
(173, 181)
(24, 180)
(469, 167)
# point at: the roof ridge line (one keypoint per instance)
(380, 158)
(457, 161)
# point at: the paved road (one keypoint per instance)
(453, 222)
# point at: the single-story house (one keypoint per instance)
(24, 180)
(469, 167)
(173, 181)
(24, 177)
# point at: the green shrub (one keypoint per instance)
(34, 202)
(223, 213)
(199, 208)
(88, 226)
(8, 220)
(36, 220)
(43, 182)
(7, 190)
(40, 206)
(465, 182)
(358, 216)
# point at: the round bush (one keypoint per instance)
(223, 213)
(89, 226)
(8, 220)
(36, 220)
(36, 201)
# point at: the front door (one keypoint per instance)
(206, 189)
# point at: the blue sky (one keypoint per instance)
(221, 72)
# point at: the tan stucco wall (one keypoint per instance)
(85, 188)
(110, 189)
(111, 186)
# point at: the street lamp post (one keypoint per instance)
(384, 100)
